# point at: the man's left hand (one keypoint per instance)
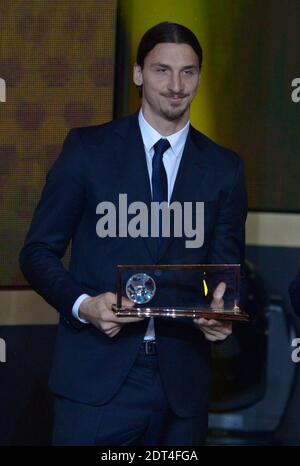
(215, 330)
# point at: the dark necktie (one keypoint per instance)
(159, 180)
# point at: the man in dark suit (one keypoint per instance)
(129, 380)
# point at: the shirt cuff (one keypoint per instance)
(76, 306)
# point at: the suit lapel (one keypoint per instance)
(134, 173)
(192, 171)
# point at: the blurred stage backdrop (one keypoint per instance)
(57, 58)
(69, 63)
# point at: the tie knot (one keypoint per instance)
(161, 146)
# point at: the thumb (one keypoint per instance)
(218, 302)
(127, 302)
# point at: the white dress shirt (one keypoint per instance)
(171, 160)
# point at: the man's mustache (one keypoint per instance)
(173, 94)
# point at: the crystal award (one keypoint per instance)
(180, 290)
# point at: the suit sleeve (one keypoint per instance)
(54, 222)
(294, 291)
(228, 239)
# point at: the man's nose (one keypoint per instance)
(175, 84)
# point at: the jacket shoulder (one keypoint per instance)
(216, 152)
(95, 134)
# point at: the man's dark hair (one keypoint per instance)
(167, 32)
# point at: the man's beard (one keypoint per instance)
(173, 114)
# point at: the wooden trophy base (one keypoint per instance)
(218, 314)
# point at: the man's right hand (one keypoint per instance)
(97, 310)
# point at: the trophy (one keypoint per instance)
(180, 291)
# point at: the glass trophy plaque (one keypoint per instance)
(208, 291)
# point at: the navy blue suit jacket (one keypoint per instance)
(294, 290)
(96, 164)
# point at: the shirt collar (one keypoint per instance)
(151, 136)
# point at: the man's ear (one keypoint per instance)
(137, 75)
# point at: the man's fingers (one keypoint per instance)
(214, 324)
(214, 330)
(219, 291)
(208, 322)
(217, 333)
(214, 335)
(110, 316)
(127, 303)
(111, 298)
(126, 320)
(113, 332)
(218, 302)
(111, 326)
(213, 338)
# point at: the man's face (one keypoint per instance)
(170, 79)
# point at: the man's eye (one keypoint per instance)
(161, 70)
(188, 72)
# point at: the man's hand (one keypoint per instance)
(97, 311)
(215, 330)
